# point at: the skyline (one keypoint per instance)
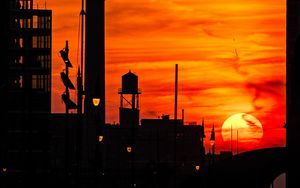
(194, 35)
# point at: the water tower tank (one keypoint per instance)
(129, 83)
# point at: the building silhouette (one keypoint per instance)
(94, 77)
(26, 38)
(29, 58)
(292, 91)
(33, 142)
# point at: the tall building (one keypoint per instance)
(29, 58)
(26, 88)
(292, 91)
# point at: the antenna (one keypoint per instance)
(81, 68)
(176, 91)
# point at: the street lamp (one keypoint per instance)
(100, 138)
(96, 101)
(197, 168)
(129, 149)
(130, 152)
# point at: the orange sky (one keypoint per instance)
(230, 53)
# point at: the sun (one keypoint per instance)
(244, 128)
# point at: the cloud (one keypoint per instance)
(231, 56)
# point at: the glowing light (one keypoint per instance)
(129, 149)
(96, 101)
(100, 138)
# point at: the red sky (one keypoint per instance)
(230, 53)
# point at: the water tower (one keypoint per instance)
(129, 101)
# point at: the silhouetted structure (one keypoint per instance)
(129, 101)
(153, 152)
(130, 115)
(29, 58)
(256, 168)
(292, 91)
(26, 43)
(94, 79)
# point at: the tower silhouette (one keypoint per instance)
(129, 101)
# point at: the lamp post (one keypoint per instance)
(64, 53)
(130, 151)
(212, 143)
(99, 137)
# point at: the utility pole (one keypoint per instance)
(175, 122)
(64, 53)
(79, 99)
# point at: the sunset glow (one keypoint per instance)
(242, 129)
(230, 54)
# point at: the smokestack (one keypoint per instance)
(176, 91)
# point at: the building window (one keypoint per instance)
(34, 42)
(20, 82)
(48, 25)
(21, 42)
(41, 42)
(41, 22)
(34, 82)
(35, 22)
(21, 60)
(21, 23)
(41, 82)
(28, 23)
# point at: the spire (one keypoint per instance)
(202, 134)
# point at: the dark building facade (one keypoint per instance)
(29, 58)
(292, 91)
(25, 89)
(146, 158)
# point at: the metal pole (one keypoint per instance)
(175, 121)
(213, 154)
(67, 125)
(98, 154)
(176, 91)
(79, 100)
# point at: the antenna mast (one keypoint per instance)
(81, 68)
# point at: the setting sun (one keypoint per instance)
(243, 128)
